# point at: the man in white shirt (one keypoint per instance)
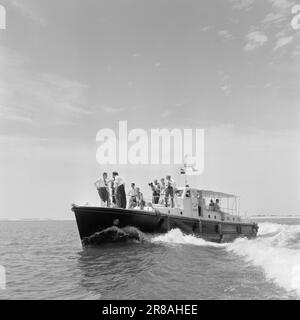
(162, 190)
(119, 186)
(132, 196)
(140, 199)
(170, 190)
(102, 186)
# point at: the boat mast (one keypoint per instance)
(183, 171)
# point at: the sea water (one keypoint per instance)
(45, 260)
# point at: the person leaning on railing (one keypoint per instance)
(162, 189)
(218, 209)
(119, 187)
(102, 186)
(217, 206)
(155, 187)
(140, 199)
(211, 205)
(132, 196)
(170, 190)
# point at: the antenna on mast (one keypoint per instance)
(183, 171)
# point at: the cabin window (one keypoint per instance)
(178, 193)
(209, 216)
(227, 218)
(233, 219)
(215, 217)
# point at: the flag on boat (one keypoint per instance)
(191, 166)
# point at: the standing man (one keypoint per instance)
(140, 199)
(170, 190)
(102, 186)
(162, 191)
(155, 191)
(132, 196)
(119, 186)
(113, 191)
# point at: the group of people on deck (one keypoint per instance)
(214, 206)
(112, 192)
(163, 190)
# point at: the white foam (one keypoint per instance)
(276, 250)
(273, 251)
(175, 236)
(269, 229)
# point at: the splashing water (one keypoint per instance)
(114, 234)
(175, 236)
(276, 250)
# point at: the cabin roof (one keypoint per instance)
(215, 194)
(211, 194)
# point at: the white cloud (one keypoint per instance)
(242, 4)
(276, 24)
(138, 107)
(28, 11)
(280, 15)
(136, 55)
(166, 114)
(281, 4)
(255, 39)
(226, 89)
(296, 51)
(225, 34)
(206, 28)
(273, 17)
(37, 98)
(225, 81)
(111, 110)
(283, 41)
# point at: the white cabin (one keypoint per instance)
(194, 203)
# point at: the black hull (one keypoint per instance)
(94, 219)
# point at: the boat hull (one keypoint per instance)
(95, 219)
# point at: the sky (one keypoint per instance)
(70, 68)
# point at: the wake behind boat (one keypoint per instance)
(190, 214)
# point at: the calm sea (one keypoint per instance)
(45, 260)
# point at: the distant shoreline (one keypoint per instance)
(275, 217)
(73, 219)
(37, 220)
